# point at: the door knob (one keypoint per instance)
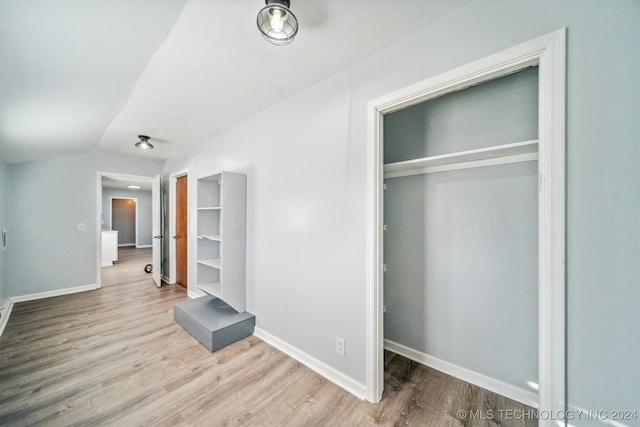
(159, 236)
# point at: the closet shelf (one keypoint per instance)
(214, 288)
(215, 262)
(215, 238)
(524, 151)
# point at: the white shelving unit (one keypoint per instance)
(496, 155)
(221, 237)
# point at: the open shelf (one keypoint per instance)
(215, 262)
(221, 234)
(497, 155)
(214, 288)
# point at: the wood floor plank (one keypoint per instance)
(115, 356)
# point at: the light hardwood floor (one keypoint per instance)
(115, 356)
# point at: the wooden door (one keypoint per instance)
(181, 231)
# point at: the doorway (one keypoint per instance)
(124, 220)
(181, 231)
(461, 239)
(178, 228)
(548, 53)
(143, 191)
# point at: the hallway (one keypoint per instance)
(129, 267)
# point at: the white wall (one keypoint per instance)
(305, 161)
(145, 232)
(47, 200)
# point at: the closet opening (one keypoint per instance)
(472, 195)
(460, 240)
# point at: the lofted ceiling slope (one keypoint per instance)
(78, 76)
(68, 66)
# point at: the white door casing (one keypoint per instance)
(156, 213)
(157, 231)
(172, 223)
(548, 53)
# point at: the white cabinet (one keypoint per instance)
(221, 237)
(109, 247)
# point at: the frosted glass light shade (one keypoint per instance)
(144, 143)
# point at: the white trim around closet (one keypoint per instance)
(548, 54)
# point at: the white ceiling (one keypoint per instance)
(81, 76)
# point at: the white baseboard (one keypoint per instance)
(8, 306)
(481, 380)
(165, 279)
(144, 246)
(107, 264)
(54, 293)
(349, 384)
(125, 245)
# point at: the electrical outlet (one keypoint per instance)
(340, 346)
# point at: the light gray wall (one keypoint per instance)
(307, 208)
(145, 212)
(501, 111)
(461, 279)
(4, 292)
(461, 246)
(47, 200)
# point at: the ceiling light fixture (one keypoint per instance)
(134, 187)
(276, 22)
(144, 143)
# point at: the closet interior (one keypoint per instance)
(461, 231)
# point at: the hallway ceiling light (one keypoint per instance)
(134, 187)
(276, 22)
(144, 143)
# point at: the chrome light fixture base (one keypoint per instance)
(276, 22)
(144, 143)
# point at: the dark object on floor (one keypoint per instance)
(148, 268)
